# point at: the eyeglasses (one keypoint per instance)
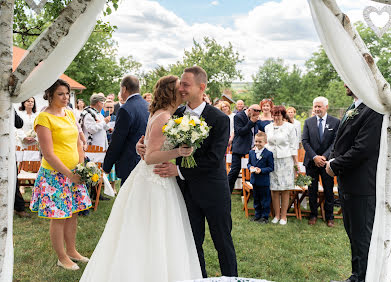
(257, 111)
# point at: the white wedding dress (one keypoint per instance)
(148, 237)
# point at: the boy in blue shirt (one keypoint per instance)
(261, 163)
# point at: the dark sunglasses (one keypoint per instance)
(255, 110)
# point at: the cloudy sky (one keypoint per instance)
(158, 32)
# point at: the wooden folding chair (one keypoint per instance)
(337, 214)
(94, 153)
(28, 167)
(247, 187)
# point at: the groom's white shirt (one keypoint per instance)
(197, 111)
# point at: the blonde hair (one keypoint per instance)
(291, 108)
(220, 106)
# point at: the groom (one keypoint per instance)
(205, 187)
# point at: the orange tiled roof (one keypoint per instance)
(18, 55)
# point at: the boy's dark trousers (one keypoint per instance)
(262, 199)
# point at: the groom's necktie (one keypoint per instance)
(351, 107)
(192, 113)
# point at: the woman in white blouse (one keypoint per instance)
(26, 135)
(281, 137)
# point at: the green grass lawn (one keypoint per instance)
(294, 252)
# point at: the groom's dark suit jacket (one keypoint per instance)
(130, 125)
(356, 151)
(207, 193)
(210, 160)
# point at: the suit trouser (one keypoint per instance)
(236, 166)
(19, 201)
(220, 226)
(358, 216)
(262, 199)
(328, 185)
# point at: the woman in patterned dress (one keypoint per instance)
(281, 137)
(58, 193)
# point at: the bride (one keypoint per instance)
(148, 235)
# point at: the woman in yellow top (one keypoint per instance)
(58, 193)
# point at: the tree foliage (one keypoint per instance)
(219, 62)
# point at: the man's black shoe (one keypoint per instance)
(102, 198)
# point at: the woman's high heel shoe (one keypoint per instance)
(73, 267)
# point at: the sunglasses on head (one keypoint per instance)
(266, 99)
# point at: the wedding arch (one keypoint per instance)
(56, 47)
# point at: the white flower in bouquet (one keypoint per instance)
(90, 165)
(189, 130)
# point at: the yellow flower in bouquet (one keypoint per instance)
(89, 173)
(189, 130)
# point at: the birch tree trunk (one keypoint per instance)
(6, 23)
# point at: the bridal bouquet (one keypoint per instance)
(89, 173)
(189, 130)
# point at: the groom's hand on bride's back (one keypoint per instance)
(166, 169)
(140, 147)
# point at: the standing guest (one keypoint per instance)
(130, 125)
(353, 160)
(110, 97)
(266, 117)
(291, 112)
(281, 136)
(28, 113)
(119, 104)
(93, 123)
(148, 97)
(261, 163)
(19, 201)
(225, 107)
(58, 193)
(245, 128)
(239, 106)
(109, 111)
(79, 108)
(318, 137)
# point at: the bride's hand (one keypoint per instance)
(185, 151)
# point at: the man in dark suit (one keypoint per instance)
(354, 161)
(245, 128)
(130, 125)
(205, 187)
(318, 137)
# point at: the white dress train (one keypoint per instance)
(148, 236)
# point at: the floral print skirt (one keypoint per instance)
(56, 196)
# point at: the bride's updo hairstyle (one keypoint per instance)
(164, 93)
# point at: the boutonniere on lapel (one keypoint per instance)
(327, 126)
(352, 113)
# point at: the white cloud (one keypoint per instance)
(214, 3)
(156, 36)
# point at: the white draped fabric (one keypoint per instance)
(354, 71)
(40, 79)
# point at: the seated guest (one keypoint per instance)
(225, 107)
(319, 133)
(281, 136)
(58, 193)
(93, 123)
(266, 116)
(239, 106)
(148, 97)
(261, 163)
(245, 128)
(26, 135)
(291, 113)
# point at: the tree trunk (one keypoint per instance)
(6, 22)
